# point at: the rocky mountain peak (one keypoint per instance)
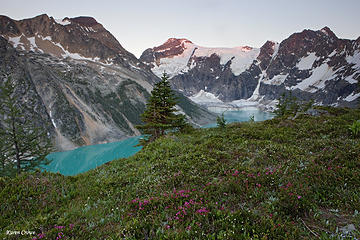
(358, 41)
(172, 47)
(327, 31)
(266, 53)
(177, 40)
(85, 21)
(298, 45)
(78, 38)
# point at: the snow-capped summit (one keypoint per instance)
(177, 56)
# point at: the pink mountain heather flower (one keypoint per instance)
(202, 211)
(192, 202)
(59, 227)
(299, 197)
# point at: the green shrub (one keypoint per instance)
(290, 105)
(221, 121)
(355, 128)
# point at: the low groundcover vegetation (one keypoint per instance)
(285, 178)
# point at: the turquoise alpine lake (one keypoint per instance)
(243, 116)
(82, 159)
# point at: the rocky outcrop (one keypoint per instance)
(314, 65)
(83, 37)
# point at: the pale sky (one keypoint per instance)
(141, 24)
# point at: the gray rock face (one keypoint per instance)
(92, 92)
(312, 65)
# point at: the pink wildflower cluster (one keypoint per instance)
(180, 193)
(60, 235)
(140, 204)
(182, 210)
(288, 187)
(269, 171)
(39, 236)
(202, 211)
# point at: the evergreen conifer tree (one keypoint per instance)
(159, 116)
(24, 146)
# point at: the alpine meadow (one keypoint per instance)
(200, 119)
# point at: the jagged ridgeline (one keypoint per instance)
(311, 64)
(78, 81)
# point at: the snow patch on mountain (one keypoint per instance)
(276, 49)
(256, 93)
(276, 80)
(354, 59)
(52, 119)
(352, 97)
(307, 62)
(33, 45)
(62, 22)
(205, 97)
(317, 79)
(15, 41)
(173, 66)
(241, 58)
(351, 79)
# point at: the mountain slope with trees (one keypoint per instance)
(81, 81)
(24, 146)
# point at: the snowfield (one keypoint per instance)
(241, 58)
